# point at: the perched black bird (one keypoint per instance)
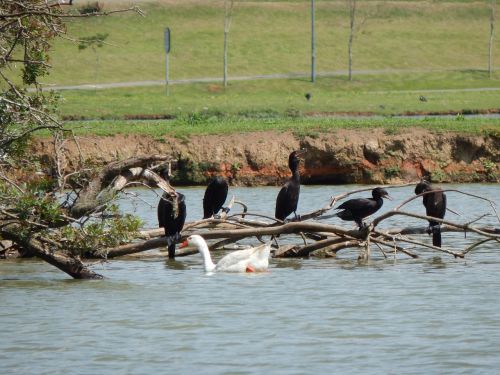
(422, 98)
(359, 208)
(171, 216)
(435, 206)
(215, 196)
(308, 96)
(288, 197)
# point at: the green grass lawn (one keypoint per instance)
(388, 94)
(439, 48)
(274, 37)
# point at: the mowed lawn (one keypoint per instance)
(409, 56)
(269, 37)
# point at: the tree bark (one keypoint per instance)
(95, 195)
(71, 265)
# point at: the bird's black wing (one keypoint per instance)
(215, 196)
(354, 204)
(181, 215)
(160, 211)
(283, 206)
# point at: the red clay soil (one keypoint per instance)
(344, 156)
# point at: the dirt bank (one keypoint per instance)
(343, 156)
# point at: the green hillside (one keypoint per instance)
(269, 37)
(403, 50)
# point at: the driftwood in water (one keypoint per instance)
(332, 238)
(315, 236)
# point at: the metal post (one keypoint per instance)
(313, 45)
(166, 74)
(167, 51)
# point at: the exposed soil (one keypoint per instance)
(343, 156)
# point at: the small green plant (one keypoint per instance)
(393, 130)
(311, 133)
(189, 172)
(195, 118)
(95, 237)
(438, 175)
(490, 169)
(94, 42)
(392, 171)
(459, 117)
(208, 166)
(489, 166)
(35, 68)
(37, 206)
(293, 113)
(235, 167)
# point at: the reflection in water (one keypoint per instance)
(294, 264)
(175, 264)
(434, 314)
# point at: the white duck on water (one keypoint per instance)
(255, 259)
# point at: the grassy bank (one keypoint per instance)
(211, 124)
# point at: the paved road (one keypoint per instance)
(261, 77)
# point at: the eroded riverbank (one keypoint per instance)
(339, 157)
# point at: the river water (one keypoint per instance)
(432, 315)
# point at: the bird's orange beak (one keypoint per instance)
(184, 244)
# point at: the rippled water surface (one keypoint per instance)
(435, 314)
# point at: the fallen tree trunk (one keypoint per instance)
(96, 193)
(71, 265)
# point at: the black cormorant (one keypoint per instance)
(171, 217)
(215, 196)
(288, 197)
(359, 208)
(435, 206)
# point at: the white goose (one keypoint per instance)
(255, 259)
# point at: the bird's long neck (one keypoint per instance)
(295, 172)
(207, 259)
(378, 201)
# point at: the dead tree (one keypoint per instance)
(317, 238)
(38, 237)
